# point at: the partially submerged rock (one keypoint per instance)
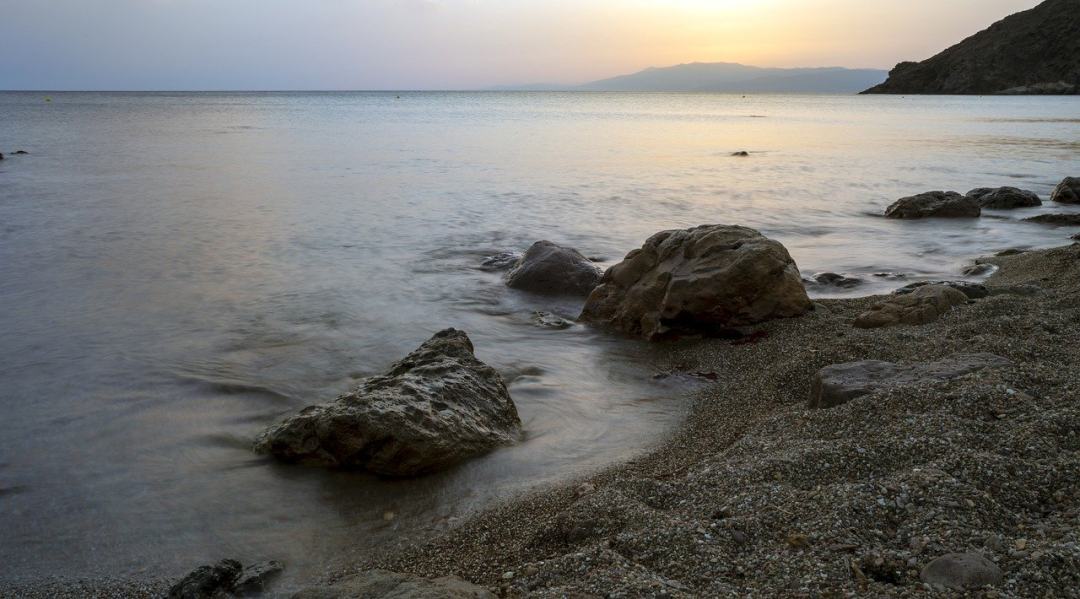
(832, 279)
(227, 578)
(380, 584)
(1061, 220)
(980, 269)
(971, 290)
(1067, 192)
(1004, 198)
(551, 268)
(922, 306)
(500, 261)
(840, 383)
(708, 279)
(962, 572)
(741, 154)
(934, 204)
(434, 408)
(547, 320)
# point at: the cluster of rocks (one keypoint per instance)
(950, 204)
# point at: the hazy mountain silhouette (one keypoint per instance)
(1036, 51)
(731, 78)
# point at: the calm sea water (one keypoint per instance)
(178, 271)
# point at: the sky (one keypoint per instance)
(452, 44)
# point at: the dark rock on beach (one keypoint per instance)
(709, 279)
(1067, 192)
(434, 408)
(1061, 220)
(381, 584)
(1035, 51)
(840, 383)
(553, 269)
(922, 306)
(1004, 198)
(971, 290)
(934, 204)
(227, 578)
(962, 572)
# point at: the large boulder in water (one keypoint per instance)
(939, 204)
(551, 268)
(1068, 191)
(1004, 198)
(434, 408)
(708, 279)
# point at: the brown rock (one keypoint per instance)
(708, 279)
(1067, 192)
(922, 306)
(934, 204)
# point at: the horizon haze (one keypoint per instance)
(286, 45)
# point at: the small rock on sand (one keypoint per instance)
(922, 306)
(381, 584)
(553, 269)
(962, 572)
(972, 290)
(840, 383)
(936, 204)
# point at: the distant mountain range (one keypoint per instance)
(728, 77)
(1036, 51)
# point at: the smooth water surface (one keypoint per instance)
(178, 271)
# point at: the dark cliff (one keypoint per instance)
(1036, 51)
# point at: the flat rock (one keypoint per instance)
(971, 290)
(922, 306)
(434, 408)
(1004, 198)
(553, 269)
(710, 279)
(1067, 192)
(380, 584)
(934, 204)
(1062, 220)
(840, 383)
(962, 572)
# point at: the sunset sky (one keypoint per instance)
(453, 44)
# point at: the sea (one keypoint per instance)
(179, 271)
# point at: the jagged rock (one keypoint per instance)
(434, 408)
(1035, 49)
(500, 261)
(971, 290)
(209, 582)
(922, 306)
(380, 584)
(840, 383)
(934, 204)
(832, 279)
(551, 268)
(547, 320)
(708, 279)
(962, 572)
(1004, 198)
(256, 578)
(1061, 220)
(1067, 192)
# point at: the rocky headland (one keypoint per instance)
(1036, 51)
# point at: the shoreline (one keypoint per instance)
(755, 494)
(733, 503)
